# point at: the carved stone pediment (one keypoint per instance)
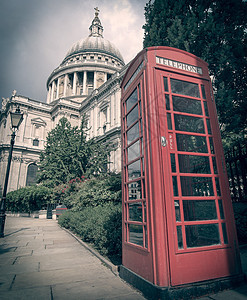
(38, 121)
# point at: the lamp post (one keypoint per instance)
(16, 119)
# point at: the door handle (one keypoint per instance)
(163, 141)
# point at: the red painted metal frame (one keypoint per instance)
(159, 260)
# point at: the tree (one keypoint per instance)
(68, 155)
(215, 31)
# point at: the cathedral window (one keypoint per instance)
(31, 174)
(36, 142)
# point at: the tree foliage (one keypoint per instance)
(68, 154)
(215, 31)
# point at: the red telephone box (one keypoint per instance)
(178, 223)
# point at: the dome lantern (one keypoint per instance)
(96, 29)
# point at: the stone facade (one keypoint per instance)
(86, 83)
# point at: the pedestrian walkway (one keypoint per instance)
(39, 260)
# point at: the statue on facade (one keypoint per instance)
(4, 103)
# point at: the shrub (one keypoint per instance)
(100, 225)
(94, 192)
(28, 199)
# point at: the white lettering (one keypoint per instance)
(178, 65)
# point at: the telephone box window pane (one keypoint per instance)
(146, 237)
(134, 170)
(135, 190)
(222, 216)
(209, 126)
(140, 105)
(144, 190)
(206, 108)
(167, 102)
(190, 124)
(169, 121)
(135, 211)
(136, 234)
(145, 213)
(165, 84)
(177, 211)
(203, 91)
(180, 237)
(134, 151)
(197, 186)
(198, 210)
(187, 105)
(132, 117)
(194, 164)
(143, 167)
(211, 145)
(215, 165)
(173, 162)
(224, 233)
(202, 235)
(141, 127)
(185, 88)
(175, 186)
(133, 133)
(191, 143)
(218, 186)
(131, 100)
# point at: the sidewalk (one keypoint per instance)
(39, 260)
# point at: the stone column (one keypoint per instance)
(85, 83)
(52, 91)
(74, 83)
(48, 99)
(66, 78)
(58, 83)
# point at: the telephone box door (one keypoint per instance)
(196, 199)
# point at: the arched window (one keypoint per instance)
(31, 174)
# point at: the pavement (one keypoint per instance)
(39, 260)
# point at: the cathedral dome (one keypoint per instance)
(88, 64)
(92, 44)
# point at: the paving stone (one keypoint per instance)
(43, 293)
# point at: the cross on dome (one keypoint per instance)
(96, 11)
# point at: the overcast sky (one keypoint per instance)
(35, 36)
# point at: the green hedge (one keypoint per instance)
(28, 199)
(100, 225)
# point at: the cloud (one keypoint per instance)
(36, 35)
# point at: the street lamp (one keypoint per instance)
(16, 119)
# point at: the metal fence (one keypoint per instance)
(236, 163)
